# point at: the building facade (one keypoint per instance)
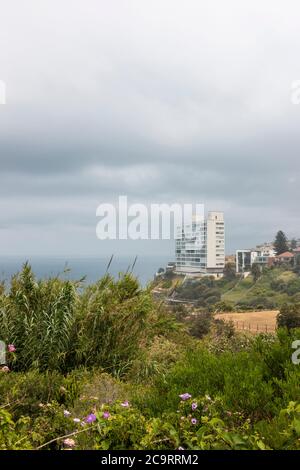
(263, 255)
(200, 246)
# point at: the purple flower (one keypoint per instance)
(90, 418)
(194, 421)
(194, 406)
(125, 404)
(106, 415)
(185, 396)
(11, 348)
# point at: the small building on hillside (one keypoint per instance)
(244, 260)
(266, 249)
(286, 257)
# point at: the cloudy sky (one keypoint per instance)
(161, 100)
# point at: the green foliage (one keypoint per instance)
(201, 324)
(39, 319)
(289, 287)
(251, 377)
(57, 325)
(256, 303)
(117, 344)
(247, 398)
(123, 430)
(13, 436)
(205, 291)
(281, 243)
(296, 268)
(25, 392)
(155, 359)
(229, 271)
(255, 271)
(289, 316)
(223, 306)
(111, 323)
(199, 423)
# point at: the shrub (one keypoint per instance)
(155, 359)
(223, 306)
(200, 423)
(54, 325)
(200, 325)
(289, 316)
(13, 436)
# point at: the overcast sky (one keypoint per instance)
(161, 100)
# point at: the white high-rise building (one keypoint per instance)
(200, 245)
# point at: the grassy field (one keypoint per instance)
(247, 289)
(256, 322)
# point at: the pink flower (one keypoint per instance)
(69, 442)
(194, 421)
(11, 348)
(125, 404)
(106, 415)
(5, 369)
(194, 406)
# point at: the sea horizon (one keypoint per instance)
(92, 267)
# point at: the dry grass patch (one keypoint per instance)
(256, 322)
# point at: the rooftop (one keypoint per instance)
(286, 254)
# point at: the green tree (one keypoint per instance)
(289, 316)
(255, 271)
(297, 264)
(280, 243)
(293, 244)
(229, 271)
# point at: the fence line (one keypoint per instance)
(253, 327)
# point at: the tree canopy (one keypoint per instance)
(281, 243)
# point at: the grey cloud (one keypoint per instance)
(160, 101)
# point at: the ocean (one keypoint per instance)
(93, 268)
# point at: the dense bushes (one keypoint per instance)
(290, 287)
(199, 423)
(289, 316)
(257, 379)
(205, 291)
(57, 325)
(205, 401)
(256, 303)
(106, 368)
(39, 319)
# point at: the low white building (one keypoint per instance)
(266, 249)
(261, 255)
